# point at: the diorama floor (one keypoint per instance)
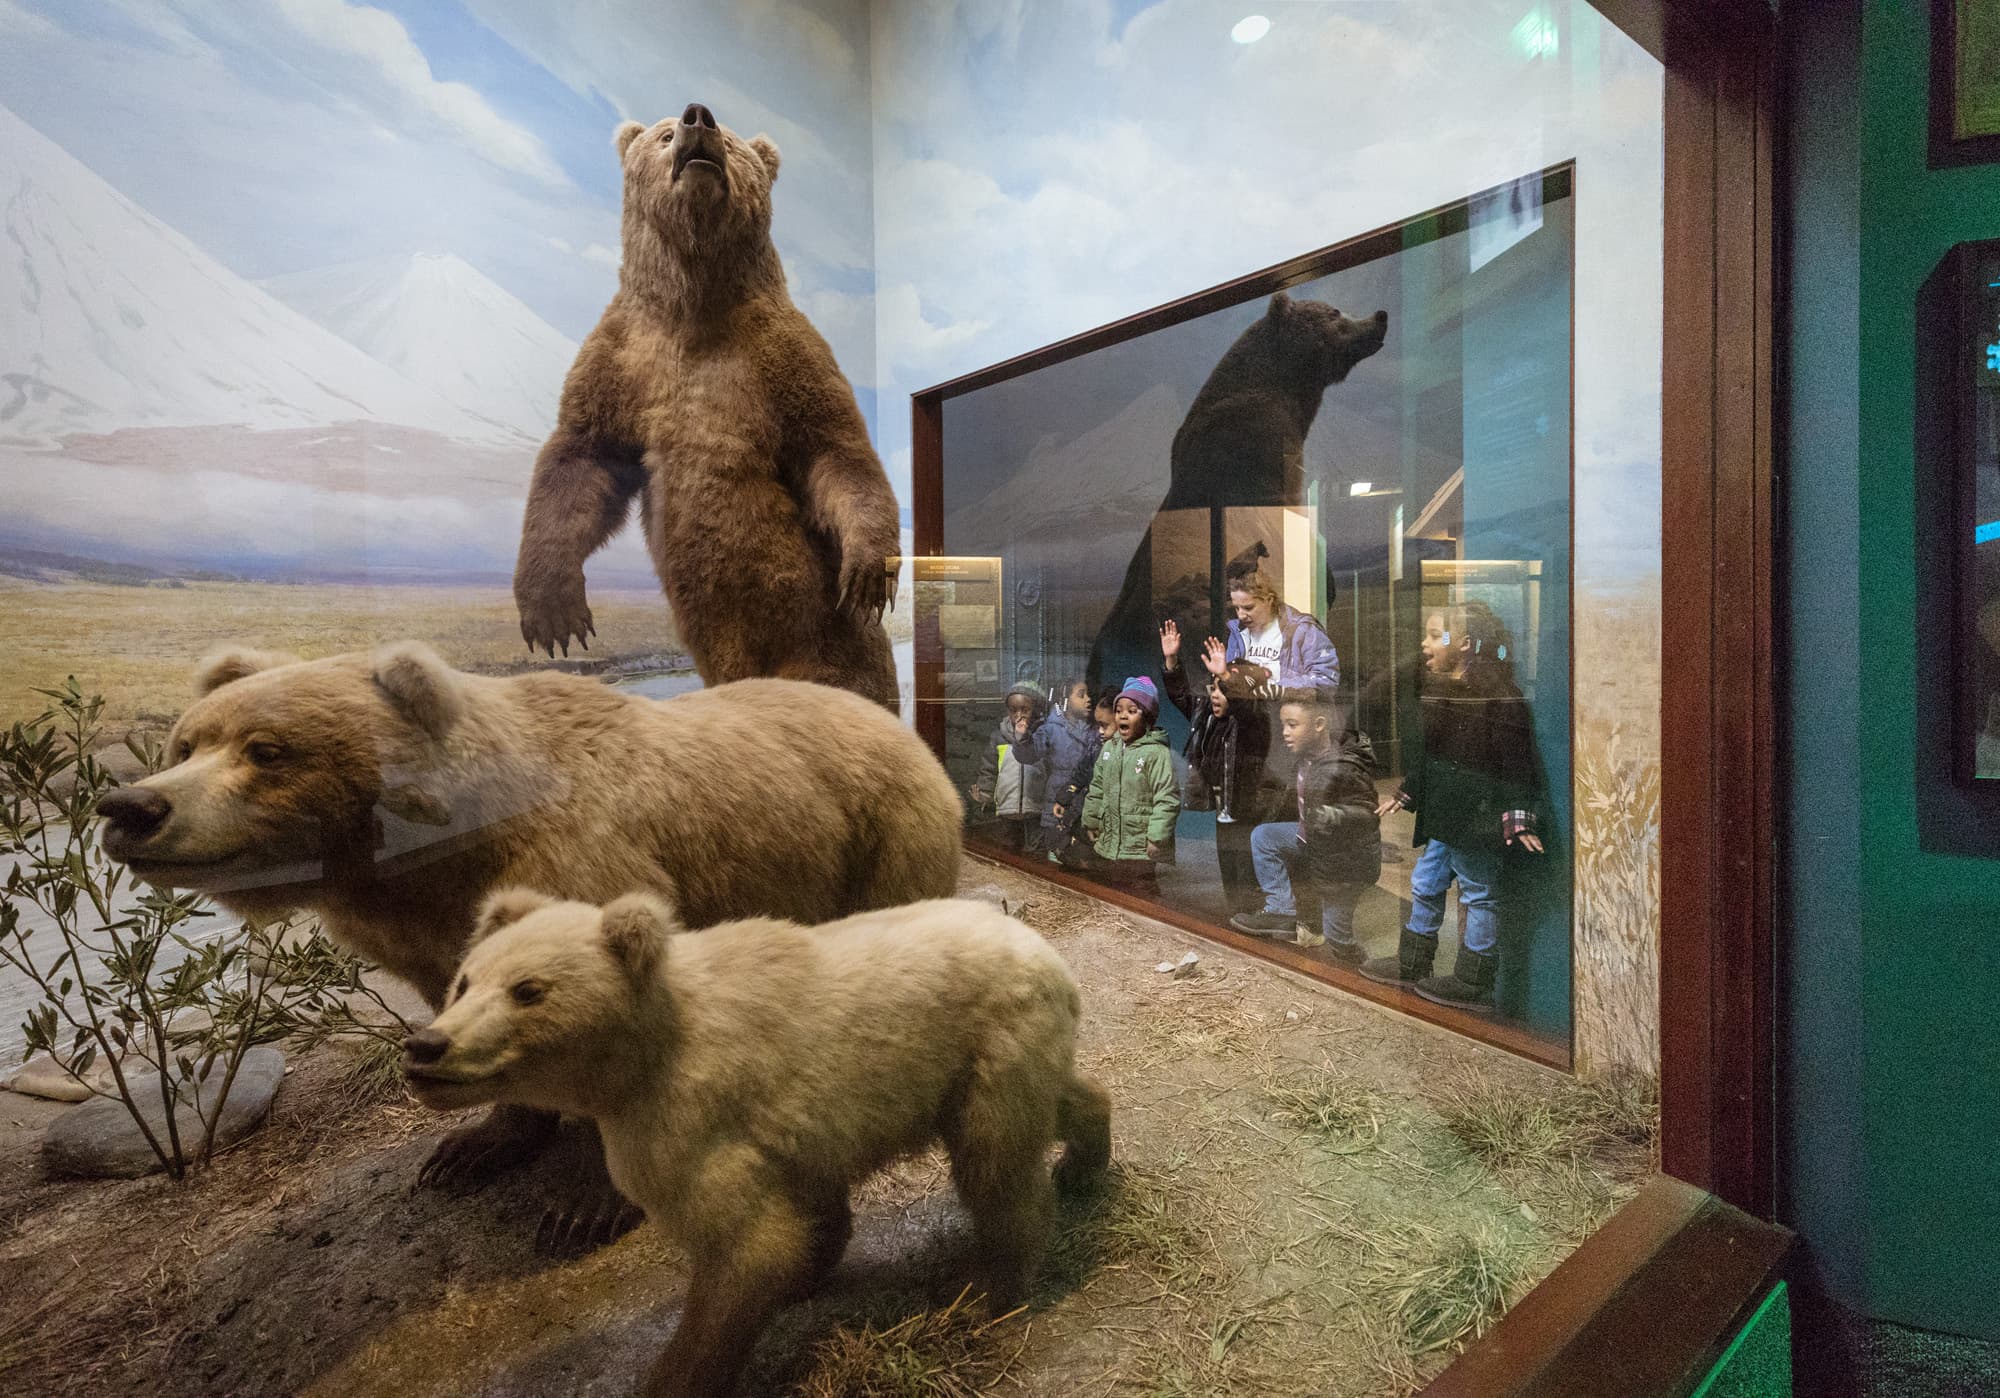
(1310, 1195)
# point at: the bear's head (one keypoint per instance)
(694, 191)
(543, 1007)
(283, 770)
(1320, 343)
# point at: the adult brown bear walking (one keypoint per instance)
(705, 392)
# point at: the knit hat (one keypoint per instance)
(1140, 691)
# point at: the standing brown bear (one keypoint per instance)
(706, 393)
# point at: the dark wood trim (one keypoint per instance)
(1455, 217)
(1718, 579)
(1496, 1032)
(927, 538)
(1643, 1309)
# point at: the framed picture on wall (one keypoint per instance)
(1971, 368)
(1965, 82)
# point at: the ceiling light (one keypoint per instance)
(1250, 29)
(1360, 487)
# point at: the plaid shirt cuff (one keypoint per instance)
(1515, 824)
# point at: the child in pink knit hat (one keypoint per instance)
(1134, 800)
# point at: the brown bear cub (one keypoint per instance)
(746, 1078)
(706, 393)
(390, 794)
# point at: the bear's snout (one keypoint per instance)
(698, 115)
(134, 812)
(426, 1046)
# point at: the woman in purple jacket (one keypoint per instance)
(1284, 640)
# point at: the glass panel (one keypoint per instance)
(1353, 494)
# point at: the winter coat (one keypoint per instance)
(1306, 655)
(1475, 783)
(1132, 798)
(1225, 756)
(1335, 794)
(1072, 795)
(1012, 784)
(1063, 747)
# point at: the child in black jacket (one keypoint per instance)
(1314, 869)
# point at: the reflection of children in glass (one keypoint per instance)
(1058, 746)
(1474, 790)
(1067, 843)
(1130, 812)
(1229, 738)
(1287, 642)
(1314, 869)
(1011, 784)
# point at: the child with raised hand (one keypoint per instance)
(1228, 740)
(1314, 869)
(1132, 807)
(1475, 789)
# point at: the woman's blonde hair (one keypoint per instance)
(1258, 586)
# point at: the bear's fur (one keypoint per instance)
(390, 794)
(746, 1078)
(1242, 443)
(708, 395)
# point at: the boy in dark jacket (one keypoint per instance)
(1063, 746)
(1474, 788)
(1068, 844)
(1314, 870)
(1228, 741)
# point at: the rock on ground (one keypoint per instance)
(100, 1140)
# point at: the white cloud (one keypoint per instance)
(19, 22)
(905, 336)
(378, 39)
(602, 256)
(560, 244)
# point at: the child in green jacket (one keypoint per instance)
(1134, 800)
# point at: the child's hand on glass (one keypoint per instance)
(1388, 805)
(1215, 656)
(1531, 843)
(1170, 642)
(1057, 810)
(1153, 850)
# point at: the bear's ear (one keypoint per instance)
(626, 134)
(233, 663)
(767, 151)
(636, 928)
(506, 907)
(1280, 304)
(422, 687)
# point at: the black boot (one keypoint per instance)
(1410, 964)
(1470, 984)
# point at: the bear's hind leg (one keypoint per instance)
(731, 1297)
(1083, 1124)
(996, 1151)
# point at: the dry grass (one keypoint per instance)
(951, 1352)
(1617, 789)
(1330, 1104)
(1570, 1120)
(1160, 1223)
(137, 645)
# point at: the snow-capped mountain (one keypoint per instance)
(445, 324)
(114, 320)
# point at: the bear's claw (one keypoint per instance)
(473, 1155)
(551, 614)
(586, 1220)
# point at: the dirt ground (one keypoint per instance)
(1310, 1195)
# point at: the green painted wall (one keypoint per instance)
(1920, 1100)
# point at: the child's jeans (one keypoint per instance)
(1477, 873)
(1276, 853)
